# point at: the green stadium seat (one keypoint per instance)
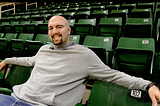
(74, 38)
(110, 27)
(68, 15)
(9, 27)
(61, 10)
(147, 5)
(71, 23)
(17, 75)
(35, 18)
(155, 77)
(141, 13)
(72, 9)
(135, 56)
(33, 46)
(102, 46)
(84, 27)
(2, 26)
(97, 7)
(98, 14)
(83, 8)
(33, 26)
(138, 28)
(5, 44)
(156, 16)
(119, 13)
(1, 74)
(18, 45)
(21, 26)
(128, 6)
(81, 15)
(109, 94)
(112, 7)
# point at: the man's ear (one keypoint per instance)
(69, 30)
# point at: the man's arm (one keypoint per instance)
(22, 61)
(97, 69)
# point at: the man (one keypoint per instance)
(61, 70)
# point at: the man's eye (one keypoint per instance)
(50, 28)
(59, 27)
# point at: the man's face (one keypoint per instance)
(58, 30)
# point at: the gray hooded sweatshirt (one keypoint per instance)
(59, 75)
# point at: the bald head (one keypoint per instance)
(59, 18)
(59, 30)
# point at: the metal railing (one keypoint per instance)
(31, 4)
(6, 4)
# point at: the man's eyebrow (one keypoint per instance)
(59, 25)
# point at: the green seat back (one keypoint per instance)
(135, 56)
(74, 38)
(138, 28)
(84, 27)
(109, 27)
(17, 75)
(141, 13)
(100, 45)
(109, 94)
(33, 46)
(18, 45)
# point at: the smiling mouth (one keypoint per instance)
(56, 36)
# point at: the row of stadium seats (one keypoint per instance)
(125, 44)
(134, 56)
(109, 27)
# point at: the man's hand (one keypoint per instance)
(2, 66)
(154, 94)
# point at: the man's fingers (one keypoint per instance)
(154, 101)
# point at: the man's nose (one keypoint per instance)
(55, 30)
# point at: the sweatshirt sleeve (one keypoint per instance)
(22, 61)
(97, 69)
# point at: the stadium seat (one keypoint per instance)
(43, 28)
(9, 27)
(156, 16)
(18, 45)
(109, 94)
(72, 9)
(5, 44)
(1, 74)
(141, 13)
(68, 15)
(2, 26)
(112, 7)
(135, 56)
(98, 14)
(156, 69)
(150, 5)
(84, 27)
(32, 27)
(102, 46)
(110, 27)
(33, 46)
(74, 38)
(138, 28)
(120, 13)
(17, 75)
(97, 7)
(71, 23)
(81, 15)
(128, 6)
(21, 26)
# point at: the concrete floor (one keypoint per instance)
(86, 96)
